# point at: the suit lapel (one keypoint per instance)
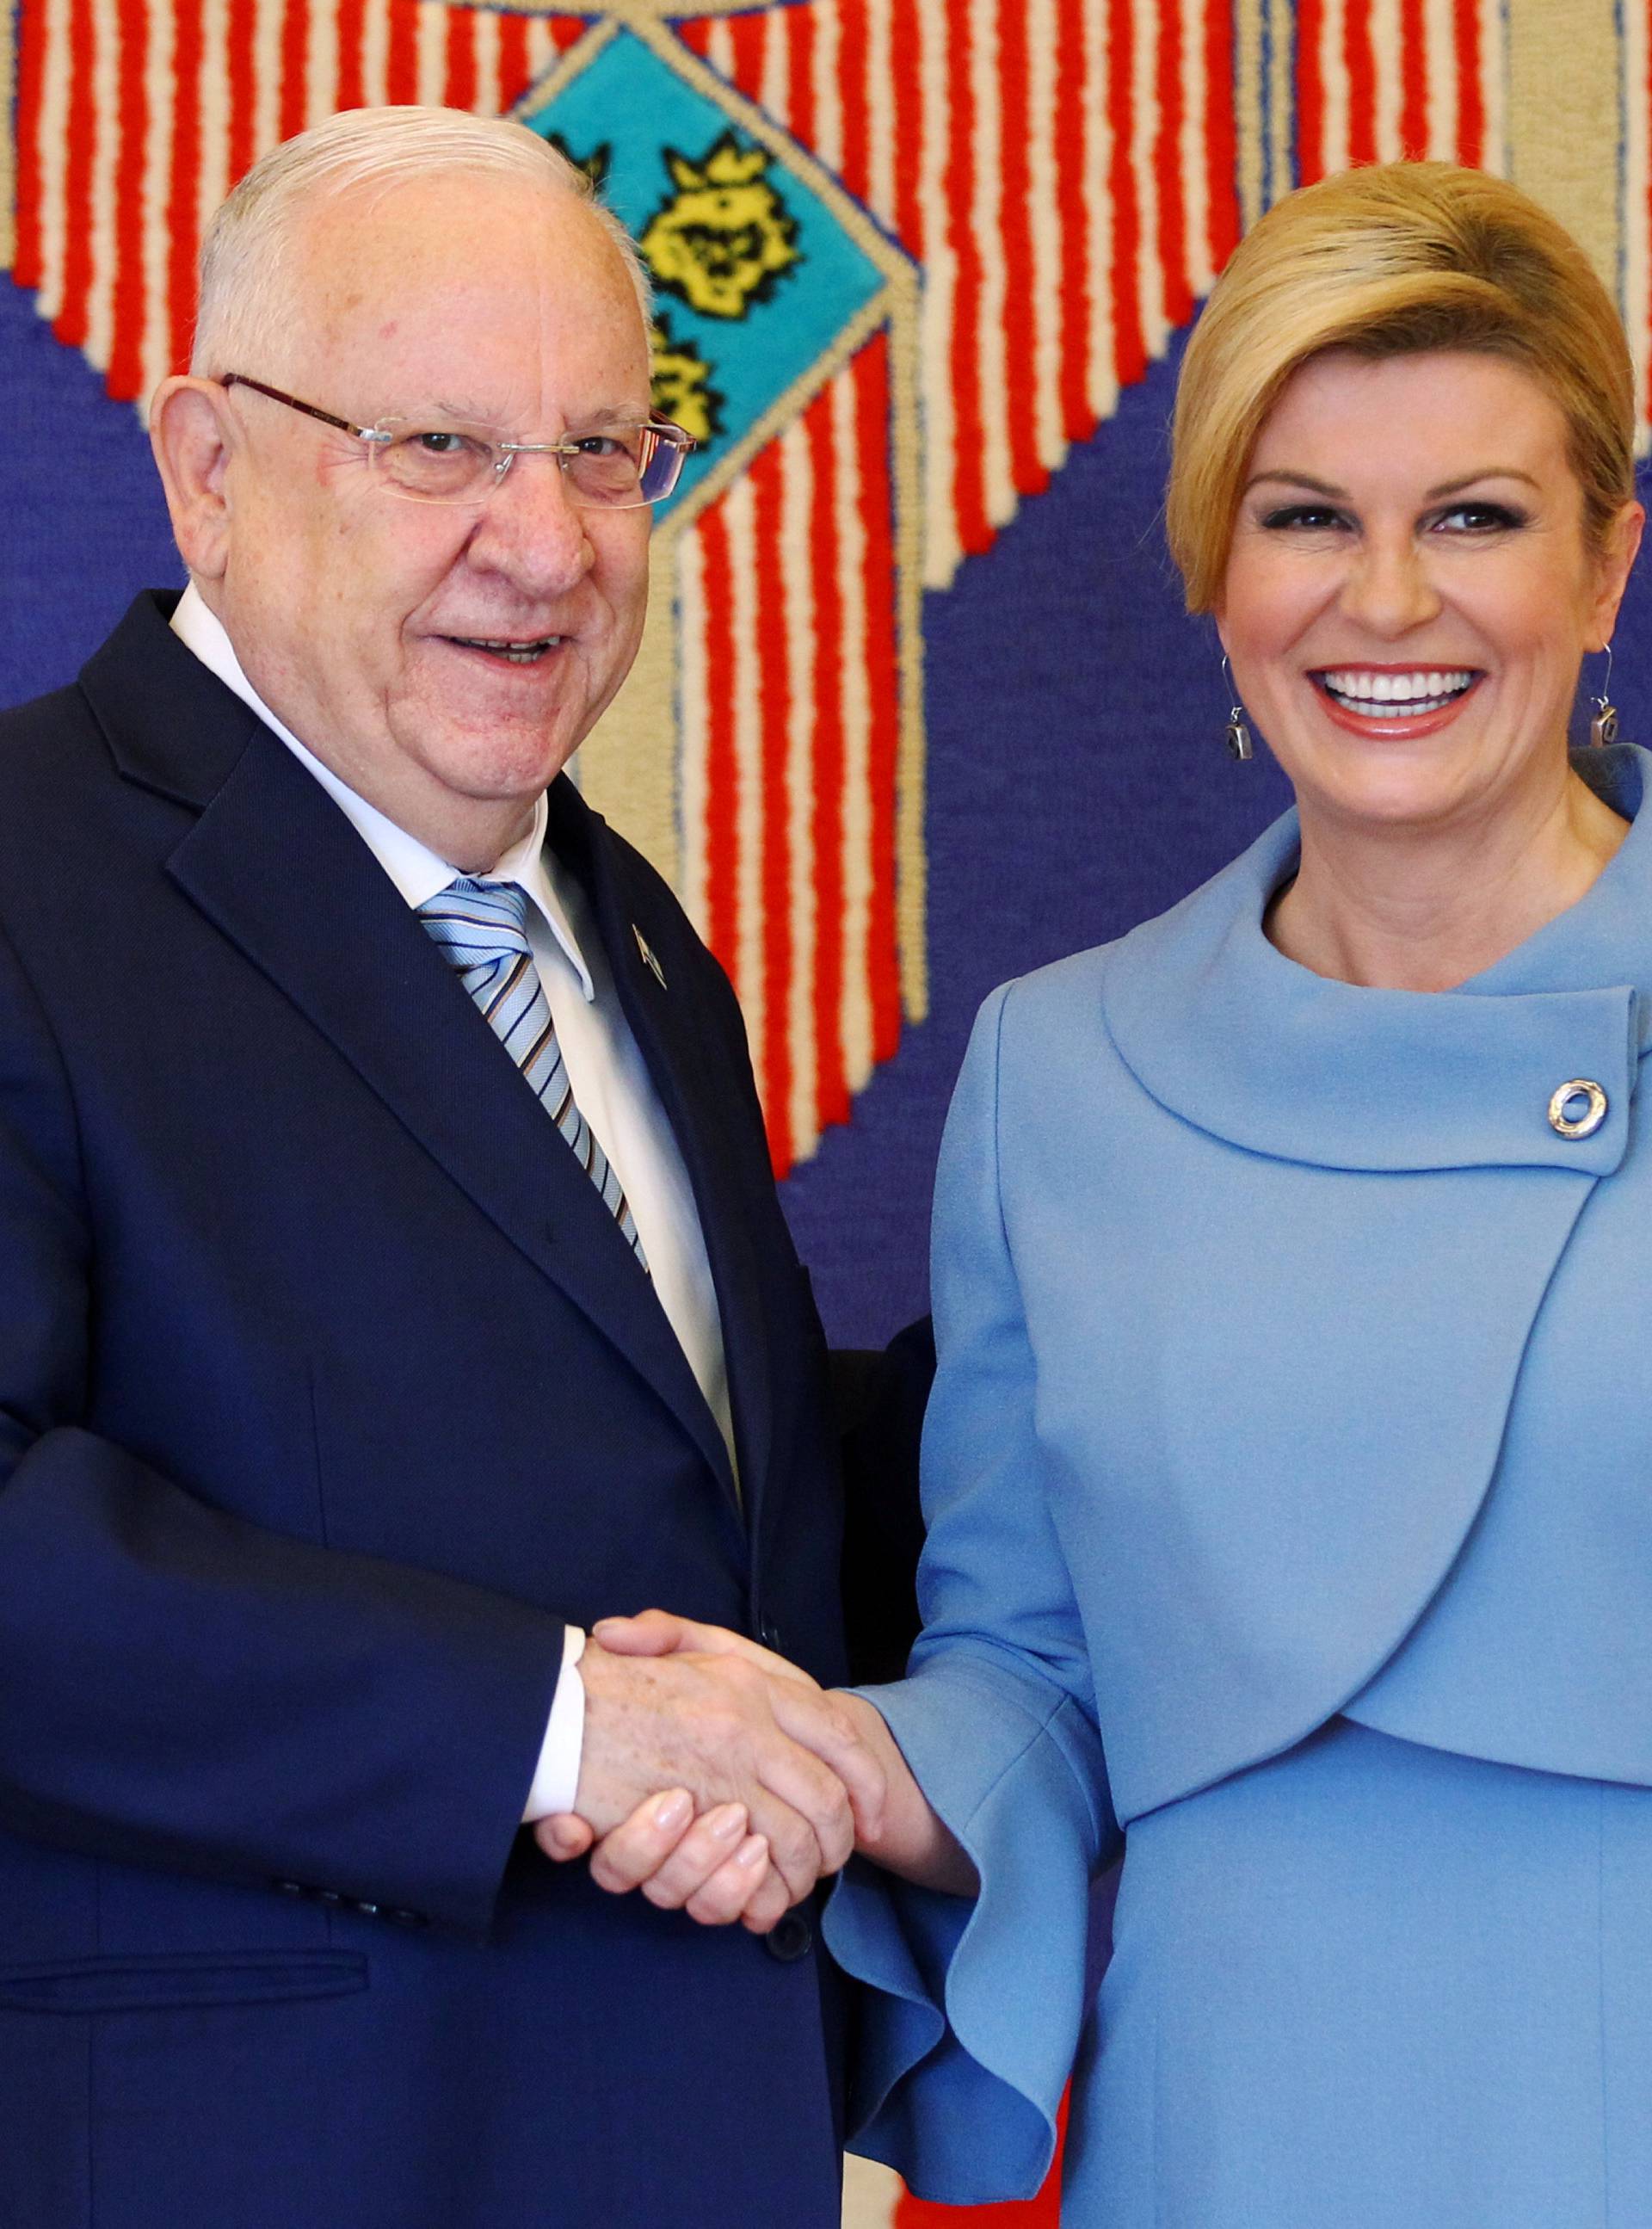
(703, 1112)
(340, 942)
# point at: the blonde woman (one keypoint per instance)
(1289, 1465)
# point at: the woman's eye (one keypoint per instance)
(1479, 518)
(1303, 519)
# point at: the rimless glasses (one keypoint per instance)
(618, 467)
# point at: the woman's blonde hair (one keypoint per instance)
(1391, 260)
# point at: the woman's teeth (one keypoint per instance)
(1396, 696)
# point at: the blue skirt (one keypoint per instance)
(1374, 1986)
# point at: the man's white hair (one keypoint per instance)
(246, 305)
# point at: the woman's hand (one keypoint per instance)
(680, 1862)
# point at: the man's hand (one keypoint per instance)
(656, 1847)
(709, 1867)
(707, 1722)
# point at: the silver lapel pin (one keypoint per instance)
(648, 961)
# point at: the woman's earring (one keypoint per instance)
(1602, 729)
(1238, 733)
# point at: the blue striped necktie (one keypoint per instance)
(482, 929)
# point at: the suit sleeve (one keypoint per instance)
(967, 2044)
(183, 1688)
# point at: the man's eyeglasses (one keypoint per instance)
(620, 467)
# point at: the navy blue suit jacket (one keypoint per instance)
(328, 1391)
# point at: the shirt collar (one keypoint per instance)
(417, 872)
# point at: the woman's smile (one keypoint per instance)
(1399, 702)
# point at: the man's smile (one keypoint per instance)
(511, 651)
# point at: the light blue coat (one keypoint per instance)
(1292, 1365)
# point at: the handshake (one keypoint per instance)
(721, 1781)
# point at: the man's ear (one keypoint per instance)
(192, 434)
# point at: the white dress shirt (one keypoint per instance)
(610, 1083)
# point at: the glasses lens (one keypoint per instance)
(437, 464)
(607, 468)
(662, 465)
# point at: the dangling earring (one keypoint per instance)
(1238, 733)
(1602, 729)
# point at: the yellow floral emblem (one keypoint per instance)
(726, 238)
(682, 387)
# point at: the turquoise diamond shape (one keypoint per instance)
(629, 100)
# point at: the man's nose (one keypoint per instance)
(530, 529)
(1390, 588)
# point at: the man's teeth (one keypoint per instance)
(519, 653)
(1396, 696)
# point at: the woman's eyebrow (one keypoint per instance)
(1298, 479)
(1434, 494)
(1470, 479)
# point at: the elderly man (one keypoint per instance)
(391, 1285)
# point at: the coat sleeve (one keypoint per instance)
(183, 1688)
(967, 2042)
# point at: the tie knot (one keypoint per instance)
(474, 922)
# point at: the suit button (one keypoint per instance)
(330, 1896)
(770, 1636)
(404, 1919)
(790, 1938)
(367, 1911)
(292, 1888)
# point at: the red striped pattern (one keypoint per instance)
(1125, 192)
(1169, 102)
(131, 126)
(963, 372)
(1472, 133)
(1367, 78)
(832, 1086)
(1361, 65)
(774, 1054)
(1414, 115)
(871, 464)
(29, 259)
(183, 239)
(102, 206)
(1106, 240)
(1222, 139)
(790, 735)
(718, 843)
(1031, 475)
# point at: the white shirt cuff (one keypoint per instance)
(556, 1779)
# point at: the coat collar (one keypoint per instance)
(276, 866)
(1224, 1031)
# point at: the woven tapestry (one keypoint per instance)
(917, 707)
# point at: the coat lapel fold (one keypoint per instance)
(343, 946)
